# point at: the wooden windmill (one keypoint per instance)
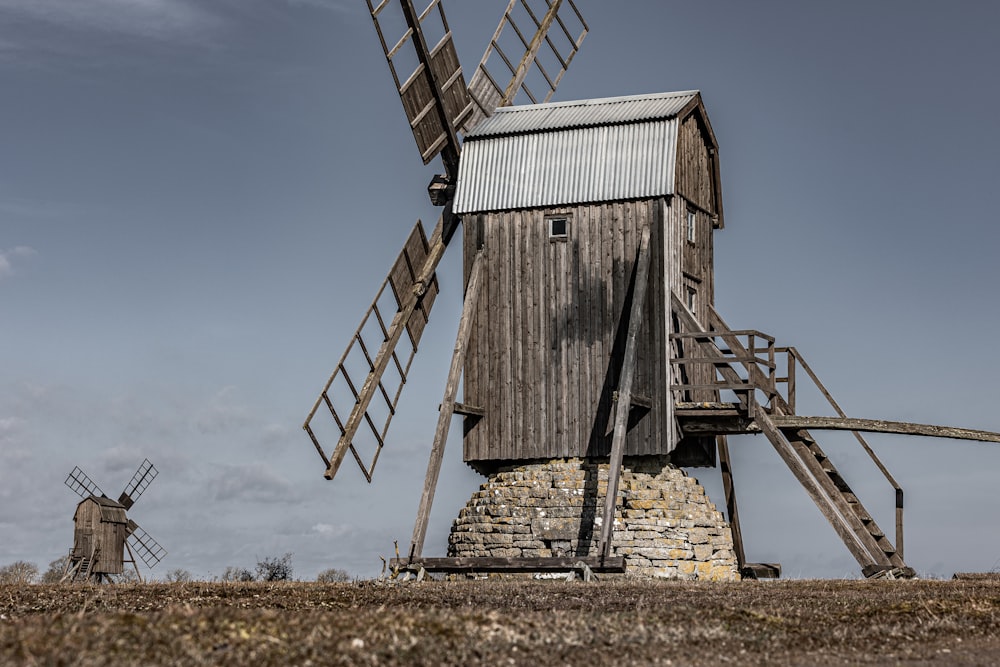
(103, 534)
(588, 331)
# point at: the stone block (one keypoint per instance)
(698, 536)
(703, 552)
(556, 528)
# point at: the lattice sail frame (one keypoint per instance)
(417, 88)
(487, 94)
(142, 478)
(401, 282)
(82, 485)
(149, 550)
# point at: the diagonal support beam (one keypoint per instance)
(883, 426)
(447, 407)
(625, 391)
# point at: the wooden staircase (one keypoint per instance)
(80, 567)
(740, 368)
(834, 497)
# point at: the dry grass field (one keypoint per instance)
(503, 622)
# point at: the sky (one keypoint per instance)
(199, 198)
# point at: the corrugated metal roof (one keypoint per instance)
(582, 113)
(588, 164)
(571, 153)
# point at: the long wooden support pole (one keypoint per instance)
(625, 391)
(882, 426)
(447, 408)
(732, 511)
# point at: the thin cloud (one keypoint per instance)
(339, 6)
(252, 483)
(9, 257)
(159, 19)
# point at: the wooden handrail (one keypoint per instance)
(794, 357)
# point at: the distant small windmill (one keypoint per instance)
(103, 534)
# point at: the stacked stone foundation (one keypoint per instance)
(665, 525)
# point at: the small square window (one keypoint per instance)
(558, 228)
(691, 226)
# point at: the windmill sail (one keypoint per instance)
(398, 313)
(558, 30)
(428, 77)
(82, 485)
(140, 480)
(438, 105)
(149, 550)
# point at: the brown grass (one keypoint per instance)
(498, 622)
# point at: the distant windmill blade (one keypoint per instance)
(149, 550)
(433, 92)
(82, 485)
(359, 376)
(557, 37)
(140, 480)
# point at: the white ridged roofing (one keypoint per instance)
(571, 153)
(582, 113)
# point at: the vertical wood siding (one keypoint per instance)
(108, 536)
(548, 337)
(695, 170)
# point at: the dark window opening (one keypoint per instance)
(558, 228)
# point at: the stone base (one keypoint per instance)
(665, 525)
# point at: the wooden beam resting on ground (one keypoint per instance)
(761, 571)
(625, 391)
(882, 426)
(447, 408)
(511, 565)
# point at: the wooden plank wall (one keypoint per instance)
(109, 537)
(697, 189)
(695, 171)
(549, 324)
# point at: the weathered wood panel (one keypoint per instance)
(94, 531)
(548, 338)
(695, 168)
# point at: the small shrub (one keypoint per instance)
(237, 574)
(178, 576)
(333, 575)
(57, 568)
(128, 576)
(272, 568)
(20, 572)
